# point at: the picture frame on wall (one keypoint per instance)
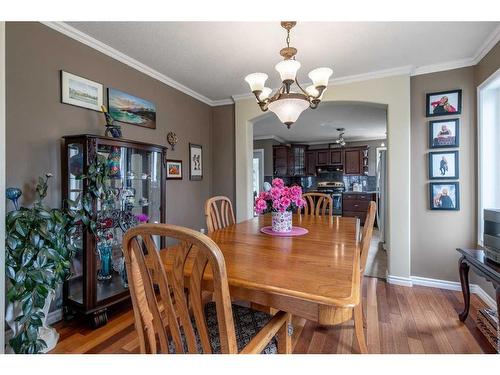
(444, 196)
(129, 109)
(444, 103)
(81, 92)
(195, 162)
(174, 169)
(443, 165)
(444, 133)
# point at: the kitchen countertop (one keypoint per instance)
(361, 192)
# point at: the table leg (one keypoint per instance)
(464, 281)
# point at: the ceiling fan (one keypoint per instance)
(340, 140)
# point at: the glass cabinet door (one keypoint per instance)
(75, 189)
(136, 183)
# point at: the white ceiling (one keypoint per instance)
(362, 121)
(212, 58)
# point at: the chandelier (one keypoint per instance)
(340, 140)
(286, 104)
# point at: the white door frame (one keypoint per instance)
(260, 151)
(2, 187)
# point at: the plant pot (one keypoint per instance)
(45, 332)
(282, 221)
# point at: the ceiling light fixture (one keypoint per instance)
(288, 105)
(340, 140)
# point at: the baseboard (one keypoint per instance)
(441, 284)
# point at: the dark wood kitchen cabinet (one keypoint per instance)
(310, 163)
(356, 161)
(356, 204)
(322, 157)
(280, 160)
(289, 160)
(336, 157)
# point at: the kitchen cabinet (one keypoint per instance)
(280, 160)
(289, 160)
(336, 157)
(356, 204)
(322, 157)
(310, 163)
(356, 161)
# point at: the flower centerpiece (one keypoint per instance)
(280, 200)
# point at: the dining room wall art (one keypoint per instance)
(81, 92)
(174, 169)
(444, 196)
(443, 165)
(195, 162)
(444, 103)
(444, 133)
(129, 109)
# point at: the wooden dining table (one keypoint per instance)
(315, 276)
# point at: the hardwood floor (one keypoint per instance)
(399, 320)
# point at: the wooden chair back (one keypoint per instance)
(159, 316)
(366, 234)
(219, 213)
(317, 204)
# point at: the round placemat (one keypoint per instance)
(296, 231)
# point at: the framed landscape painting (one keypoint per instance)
(443, 165)
(444, 133)
(129, 109)
(174, 169)
(195, 162)
(444, 196)
(444, 103)
(81, 92)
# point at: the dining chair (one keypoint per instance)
(219, 213)
(317, 204)
(366, 238)
(169, 320)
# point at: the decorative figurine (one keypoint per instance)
(111, 127)
(114, 159)
(13, 195)
(172, 139)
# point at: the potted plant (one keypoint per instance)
(38, 258)
(280, 200)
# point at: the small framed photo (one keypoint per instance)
(81, 92)
(174, 169)
(444, 103)
(444, 133)
(195, 162)
(444, 196)
(443, 165)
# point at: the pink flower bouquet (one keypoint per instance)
(279, 198)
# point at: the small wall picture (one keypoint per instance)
(444, 103)
(81, 92)
(444, 196)
(444, 133)
(195, 162)
(129, 109)
(443, 165)
(174, 169)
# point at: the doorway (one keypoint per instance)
(258, 171)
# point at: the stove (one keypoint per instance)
(335, 189)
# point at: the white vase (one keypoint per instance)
(282, 221)
(46, 333)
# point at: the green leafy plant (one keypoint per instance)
(38, 257)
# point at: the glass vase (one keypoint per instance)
(282, 221)
(106, 267)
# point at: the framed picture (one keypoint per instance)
(444, 133)
(195, 162)
(443, 165)
(444, 196)
(444, 103)
(81, 92)
(174, 169)
(129, 109)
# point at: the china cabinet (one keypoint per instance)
(136, 172)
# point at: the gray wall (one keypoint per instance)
(267, 145)
(36, 120)
(223, 158)
(436, 234)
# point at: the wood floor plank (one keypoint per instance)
(400, 320)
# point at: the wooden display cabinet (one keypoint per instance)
(139, 186)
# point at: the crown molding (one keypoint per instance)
(440, 67)
(488, 44)
(273, 137)
(89, 41)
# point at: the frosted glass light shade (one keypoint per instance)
(313, 91)
(287, 69)
(320, 76)
(289, 109)
(256, 81)
(266, 91)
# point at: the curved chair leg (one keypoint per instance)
(358, 329)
